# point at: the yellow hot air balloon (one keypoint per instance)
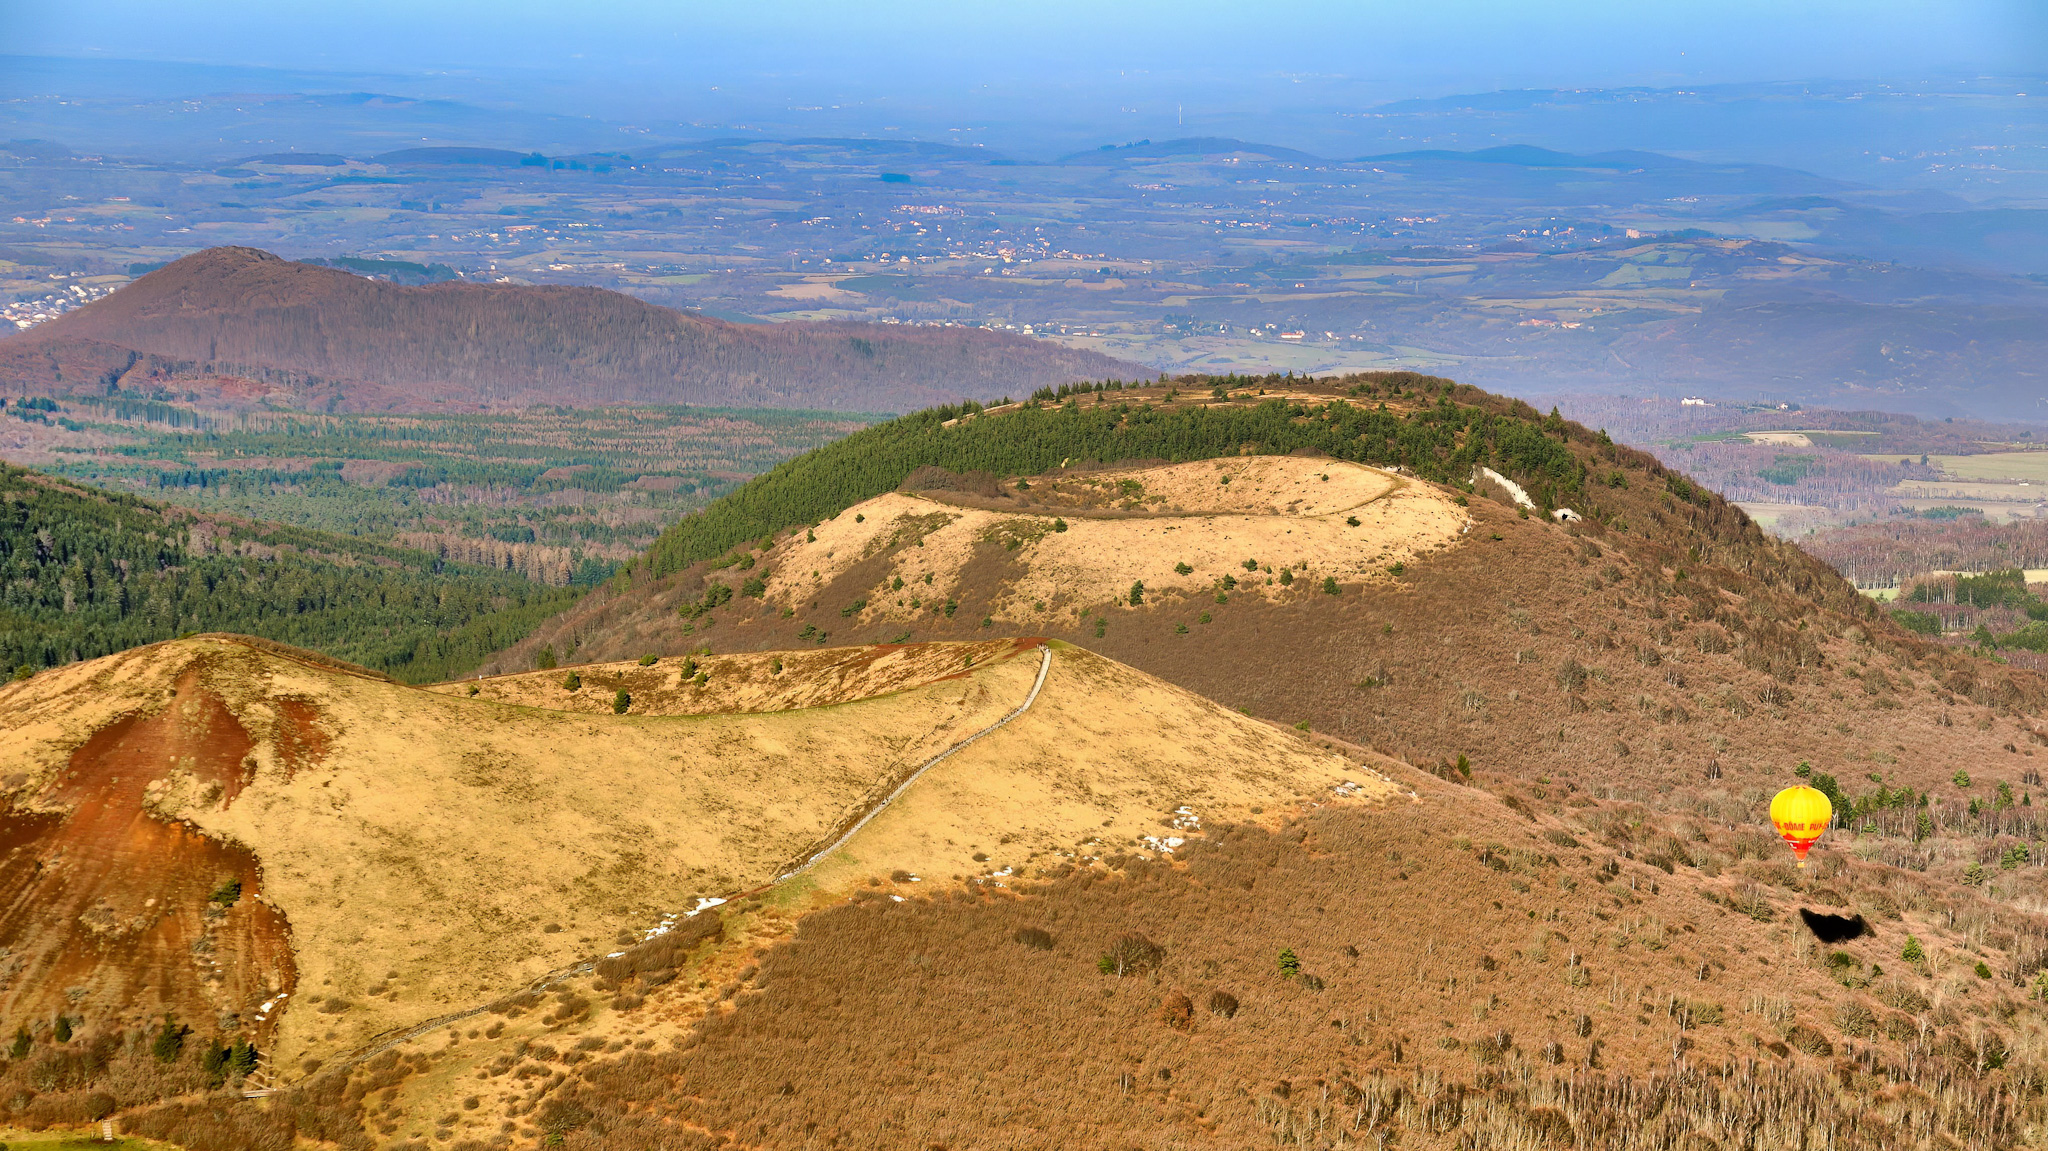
(1801, 814)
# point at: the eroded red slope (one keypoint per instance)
(107, 909)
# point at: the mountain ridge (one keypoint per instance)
(242, 324)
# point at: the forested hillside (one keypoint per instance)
(243, 323)
(84, 573)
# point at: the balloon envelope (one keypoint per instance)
(1801, 815)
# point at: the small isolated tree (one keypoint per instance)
(621, 701)
(572, 682)
(1137, 592)
(1290, 964)
(1183, 569)
(169, 1042)
(547, 658)
(242, 1058)
(1982, 969)
(1330, 585)
(62, 1029)
(1059, 525)
(1286, 577)
(1913, 953)
(1960, 778)
(213, 1060)
(647, 660)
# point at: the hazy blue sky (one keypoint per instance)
(1409, 46)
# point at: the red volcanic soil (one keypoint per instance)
(105, 909)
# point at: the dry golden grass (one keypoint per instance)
(427, 853)
(1124, 526)
(433, 851)
(744, 682)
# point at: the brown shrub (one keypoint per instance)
(1177, 1011)
(1130, 953)
(218, 1123)
(1036, 938)
(1809, 1040)
(1855, 1021)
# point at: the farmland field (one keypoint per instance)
(557, 494)
(2026, 467)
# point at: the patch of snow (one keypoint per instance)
(897, 898)
(614, 954)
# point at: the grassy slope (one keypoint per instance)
(1634, 686)
(1627, 704)
(420, 844)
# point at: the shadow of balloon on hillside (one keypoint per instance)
(1834, 928)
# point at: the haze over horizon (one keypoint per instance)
(1036, 79)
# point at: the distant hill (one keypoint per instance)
(488, 157)
(1523, 165)
(300, 159)
(1196, 147)
(242, 323)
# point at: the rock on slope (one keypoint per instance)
(241, 325)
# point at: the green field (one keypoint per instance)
(595, 486)
(1996, 467)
